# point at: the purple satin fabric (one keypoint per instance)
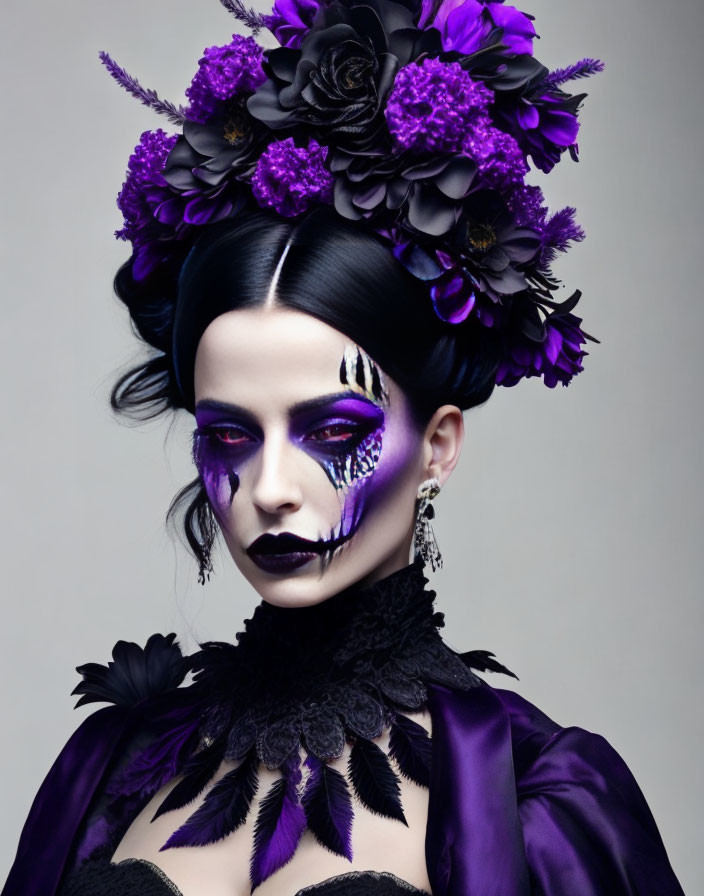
(518, 806)
(62, 801)
(521, 806)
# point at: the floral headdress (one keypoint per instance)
(417, 118)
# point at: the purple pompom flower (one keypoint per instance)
(556, 359)
(500, 159)
(433, 104)
(288, 178)
(144, 188)
(465, 25)
(290, 20)
(224, 72)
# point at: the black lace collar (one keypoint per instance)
(299, 684)
(321, 674)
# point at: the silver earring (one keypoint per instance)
(423, 536)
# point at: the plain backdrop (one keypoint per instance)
(572, 528)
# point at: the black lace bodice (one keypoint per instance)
(136, 877)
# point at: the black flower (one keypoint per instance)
(134, 673)
(338, 79)
(206, 160)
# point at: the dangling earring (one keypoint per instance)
(208, 529)
(423, 535)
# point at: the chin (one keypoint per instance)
(309, 584)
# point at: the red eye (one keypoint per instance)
(231, 436)
(334, 432)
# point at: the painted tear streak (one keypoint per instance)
(220, 481)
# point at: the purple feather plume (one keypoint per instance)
(253, 20)
(582, 69)
(175, 114)
(152, 768)
(279, 825)
(328, 807)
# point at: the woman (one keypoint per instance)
(327, 329)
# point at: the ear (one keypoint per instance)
(442, 442)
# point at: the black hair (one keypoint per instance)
(335, 270)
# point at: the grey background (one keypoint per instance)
(572, 527)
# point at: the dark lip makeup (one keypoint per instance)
(285, 551)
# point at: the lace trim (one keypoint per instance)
(155, 869)
(377, 876)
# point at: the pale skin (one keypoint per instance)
(268, 360)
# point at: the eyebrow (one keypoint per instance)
(301, 407)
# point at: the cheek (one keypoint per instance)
(388, 463)
(218, 470)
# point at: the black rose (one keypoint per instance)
(338, 79)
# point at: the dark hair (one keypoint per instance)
(336, 271)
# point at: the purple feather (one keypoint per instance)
(328, 807)
(253, 20)
(175, 114)
(582, 69)
(224, 809)
(411, 747)
(279, 825)
(158, 763)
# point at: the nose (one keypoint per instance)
(276, 486)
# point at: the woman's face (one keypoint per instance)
(307, 452)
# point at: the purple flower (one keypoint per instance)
(545, 125)
(290, 19)
(465, 25)
(433, 104)
(223, 73)
(144, 187)
(557, 358)
(208, 160)
(288, 178)
(337, 83)
(500, 159)
(527, 203)
(557, 231)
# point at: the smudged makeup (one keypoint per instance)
(343, 432)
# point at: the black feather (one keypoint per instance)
(224, 809)
(198, 771)
(411, 747)
(375, 782)
(482, 660)
(328, 807)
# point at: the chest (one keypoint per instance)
(379, 843)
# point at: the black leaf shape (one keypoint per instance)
(328, 807)
(224, 809)
(411, 746)
(375, 782)
(134, 673)
(198, 771)
(484, 662)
